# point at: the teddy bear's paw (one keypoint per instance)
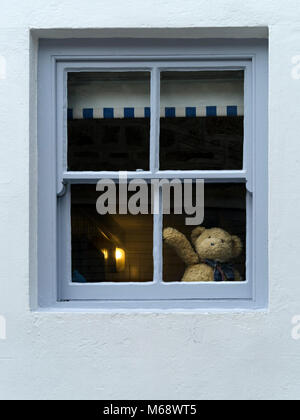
(169, 232)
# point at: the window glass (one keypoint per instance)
(112, 247)
(225, 209)
(201, 124)
(108, 121)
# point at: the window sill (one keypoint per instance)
(179, 306)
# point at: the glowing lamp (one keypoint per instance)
(120, 259)
(105, 253)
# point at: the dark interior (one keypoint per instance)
(210, 143)
(96, 239)
(202, 143)
(108, 144)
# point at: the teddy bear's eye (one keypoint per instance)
(222, 240)
(209, 237)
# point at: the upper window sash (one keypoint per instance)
(155, 67)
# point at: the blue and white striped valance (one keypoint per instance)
(113, 97)
(165, 112)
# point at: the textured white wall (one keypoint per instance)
(149, 355)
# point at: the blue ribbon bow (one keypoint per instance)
(222, 271)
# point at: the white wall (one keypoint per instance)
(149, 355)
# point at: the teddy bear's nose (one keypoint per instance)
(212, 244)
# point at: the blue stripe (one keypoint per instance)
(108, 113)
(211, 111)
(70, 114)
(88, 113)
(147, 112)
(170, 112)
(190, 111)
(128, 112)
(231, 111)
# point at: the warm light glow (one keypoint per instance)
(119, 253)
(120, 259)
(105, 253)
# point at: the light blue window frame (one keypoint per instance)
(56, 59)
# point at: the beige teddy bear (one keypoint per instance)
(210, 257)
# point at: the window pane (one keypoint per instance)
(224, 208)
(201, 125)
(108, 121)
(112, 248)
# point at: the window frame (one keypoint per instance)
(56, 58)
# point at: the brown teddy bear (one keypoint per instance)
(209, 259)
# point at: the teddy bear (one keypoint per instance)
(209, 258)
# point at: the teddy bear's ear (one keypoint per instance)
(196, 233)
(236, 246)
